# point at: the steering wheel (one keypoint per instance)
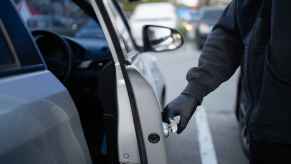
(56, 51)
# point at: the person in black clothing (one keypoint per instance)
(256, 35)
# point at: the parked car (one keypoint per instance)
(188, 18)
(163, 14)
(209, 17)
(61, 104)
(184, 13)
(192, 25)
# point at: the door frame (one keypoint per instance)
(126, 98)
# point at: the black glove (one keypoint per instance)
(183, 106)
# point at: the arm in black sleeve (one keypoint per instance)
(220, 57)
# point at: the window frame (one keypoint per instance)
(135, 50)
(27, 57)
(10, 47)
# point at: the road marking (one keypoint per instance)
(207, 150)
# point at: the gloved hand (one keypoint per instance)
(183, 106)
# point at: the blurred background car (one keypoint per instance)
(161, 14)
(209, 17)
(187, 18)
(195, 17)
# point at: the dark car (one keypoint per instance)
(209, 17)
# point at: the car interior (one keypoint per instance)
(89, 76)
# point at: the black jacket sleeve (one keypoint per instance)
(221, 56)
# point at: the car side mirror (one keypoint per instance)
(161, 39)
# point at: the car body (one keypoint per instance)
(62, 103)
(162, 13)
(209, 17)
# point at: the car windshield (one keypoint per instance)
(88, 29)
(60, 16)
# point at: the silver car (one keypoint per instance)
(65, 101)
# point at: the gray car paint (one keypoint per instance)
(149, 111)
(39, 122)
(147, 64)
(147, 102)
(127, 140)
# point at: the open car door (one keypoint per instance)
(141, 137)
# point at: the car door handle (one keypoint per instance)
(166, 130)
(172, 127)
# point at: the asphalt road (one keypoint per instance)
(212, 136)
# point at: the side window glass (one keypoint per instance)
(18, 51)
(8, 58)
(121, 28)
(63, 17)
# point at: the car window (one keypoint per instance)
(8, 57)
(121, 29)
(60, 16)
(18, 51)
(90, 28)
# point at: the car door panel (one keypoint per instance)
(39, 122)
(149, 110)
(140, 131)
(127, 138)
(147, 64)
